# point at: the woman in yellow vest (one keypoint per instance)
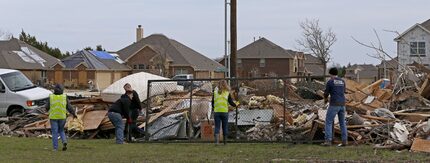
(58, 105)
(220, 100)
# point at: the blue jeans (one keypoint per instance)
(332, 111)
(117, 122)
(221, 118)
(57, 127)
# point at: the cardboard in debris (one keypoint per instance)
(421, 145)
(207, 131)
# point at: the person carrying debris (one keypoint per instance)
(220, 100)
(335, 87)
(118, 110)
(57, 106)
(135, 109)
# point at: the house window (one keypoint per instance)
(181, 71)
(134, 66)
(418, 49)
(262, 62)
(141, 66)
(239, 62)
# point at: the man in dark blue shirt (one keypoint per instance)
(336, 89)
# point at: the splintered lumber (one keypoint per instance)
(351, 85)
(39, 125)
(413, 117)
(169, 108)
(358, 96)
(165, 110)
(425, 89)
(373, 87)
(279, 113)
(362, 126)
(421, 145)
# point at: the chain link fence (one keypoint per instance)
(271, 109)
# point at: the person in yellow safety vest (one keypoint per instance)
(58, 105)
(220, 100)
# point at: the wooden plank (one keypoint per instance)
(377, 118)
(38, 125)
(376, 104)
(93, 119)
(358, 96)
(362, 126)
(420, 145)
(373, 87)
(279, 111)
(413, 117)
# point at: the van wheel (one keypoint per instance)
(16, 111)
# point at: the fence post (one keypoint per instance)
(285, 109)
(237, 111)
(148, 103)
(190, 132)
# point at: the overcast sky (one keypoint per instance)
(199, 24)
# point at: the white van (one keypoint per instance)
(19, 94)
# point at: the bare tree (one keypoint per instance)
(316, 41)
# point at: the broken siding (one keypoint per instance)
(404, 52)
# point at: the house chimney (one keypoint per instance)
(139, 33)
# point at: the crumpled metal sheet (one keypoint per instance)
(165, 128)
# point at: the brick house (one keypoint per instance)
(160, 55)
(264, 58)
(313, 66)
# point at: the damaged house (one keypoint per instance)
(37, 65)
(413, 45)
(97, 68)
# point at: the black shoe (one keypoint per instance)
(64, 146)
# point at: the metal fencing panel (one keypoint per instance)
(270, 109)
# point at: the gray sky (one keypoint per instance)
(199, 24)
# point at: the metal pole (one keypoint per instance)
(285, 110)
(233, 37)
(190, 131)
(225, 40)
(148, 103)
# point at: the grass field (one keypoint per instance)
(40, 150)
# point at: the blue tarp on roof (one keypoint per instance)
(102, 55)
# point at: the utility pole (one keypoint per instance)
(233, 37)
(226, 56)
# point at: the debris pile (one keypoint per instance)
(393, 116)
